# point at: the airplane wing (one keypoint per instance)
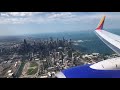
(109, 68)
(110, 39)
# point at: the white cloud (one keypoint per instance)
(19, 14)
(16, 14)
(4, 15)
(47, 17)
(21, 17)
(60, 15)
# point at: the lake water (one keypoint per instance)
(85, 41)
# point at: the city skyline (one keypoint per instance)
(20, 23)
(35, 55)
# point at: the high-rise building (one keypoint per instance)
(25, 42)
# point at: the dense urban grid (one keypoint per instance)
(41, 58)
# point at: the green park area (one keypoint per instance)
(33, 68)
(33, 64)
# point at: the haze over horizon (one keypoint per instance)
(20, 23)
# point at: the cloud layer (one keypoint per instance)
(19, 23)
(47, 17)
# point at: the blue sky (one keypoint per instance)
(20, 23)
